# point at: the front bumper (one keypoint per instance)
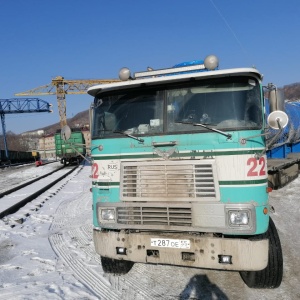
(204, 252)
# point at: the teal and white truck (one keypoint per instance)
(179, 171)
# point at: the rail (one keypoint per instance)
(11, 207)
(16, 188)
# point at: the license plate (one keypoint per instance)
(170, 243)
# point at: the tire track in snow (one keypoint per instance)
(129, 284)
(70, 214)
(71, 239)
(94, 282)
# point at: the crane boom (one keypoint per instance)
(60, 86)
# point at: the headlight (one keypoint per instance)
(107, 214)
(238, 217)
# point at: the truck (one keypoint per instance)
(180, 170)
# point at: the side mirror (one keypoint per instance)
(277, 118)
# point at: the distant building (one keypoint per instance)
(33, 133)
(40, 132)
(46, 146)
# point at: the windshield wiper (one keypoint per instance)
(129, 135)
(228, 135)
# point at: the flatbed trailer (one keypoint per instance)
(281, 171)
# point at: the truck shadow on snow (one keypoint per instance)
(200, 287)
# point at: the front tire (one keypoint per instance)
(271, 276)
(110, 265)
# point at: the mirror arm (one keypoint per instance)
(259, 155)
(279, 124)
(243, 140)
(274, 138)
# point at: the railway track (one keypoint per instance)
(12, 200)
(16, 188)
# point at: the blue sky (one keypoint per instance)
(93, 39)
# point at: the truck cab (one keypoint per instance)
(179, 172)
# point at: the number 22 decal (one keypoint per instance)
(257, 167)
(95, 171)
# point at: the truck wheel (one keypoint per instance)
(271, 276)
(110, 265)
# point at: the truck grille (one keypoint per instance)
(158, 216)
(173, 180)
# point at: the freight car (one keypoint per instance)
(15, 157)
(72, 150)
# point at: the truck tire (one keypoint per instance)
(110, 265)
(271, 276)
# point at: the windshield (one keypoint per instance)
(232, 103)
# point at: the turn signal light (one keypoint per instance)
(269, 189)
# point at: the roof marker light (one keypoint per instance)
(211, 62)
(124, 74)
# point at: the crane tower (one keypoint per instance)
(60, 87)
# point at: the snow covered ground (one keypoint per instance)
(51, 255)
(11, 177)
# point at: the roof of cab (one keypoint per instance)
(148, 81)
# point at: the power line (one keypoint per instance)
(229, 27)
